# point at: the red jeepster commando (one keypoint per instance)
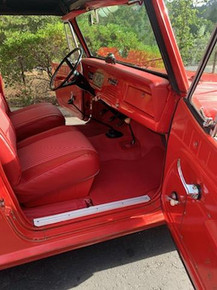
(146, 154)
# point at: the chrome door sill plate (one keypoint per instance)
(69, 215)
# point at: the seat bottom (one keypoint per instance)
(57, 165)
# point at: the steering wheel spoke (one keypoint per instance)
(67, 80)
(70, 63)
(71, 77)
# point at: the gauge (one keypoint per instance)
(98, 79)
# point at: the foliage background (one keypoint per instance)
(28, 45)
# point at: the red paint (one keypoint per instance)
(193, 222)
(33, 166)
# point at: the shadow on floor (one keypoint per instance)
(71, 269)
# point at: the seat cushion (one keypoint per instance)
(35, 119)
(56, 165)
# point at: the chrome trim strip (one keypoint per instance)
(48, 220)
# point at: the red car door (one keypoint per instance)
(190, 182)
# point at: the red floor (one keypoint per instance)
(127, 170)
(122, 179)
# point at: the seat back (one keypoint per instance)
(3, 103)
(8, 149)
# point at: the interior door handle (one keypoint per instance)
(193, 190)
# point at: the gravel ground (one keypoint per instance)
(145, 260)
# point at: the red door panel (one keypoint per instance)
(63, 95)
(193, 222)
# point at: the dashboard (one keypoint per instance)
(142, 96)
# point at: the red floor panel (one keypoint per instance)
(122, 179)
(126, 170)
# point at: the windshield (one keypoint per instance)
(124, 31)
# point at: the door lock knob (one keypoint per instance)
(173, 199)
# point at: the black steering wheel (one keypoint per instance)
(70, 79)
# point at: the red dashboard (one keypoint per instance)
(140, 95)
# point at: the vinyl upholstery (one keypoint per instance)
(35, 119)
(56, 165)
(53, 166)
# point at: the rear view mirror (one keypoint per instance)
(93, 18)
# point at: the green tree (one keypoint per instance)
(191, 26)
(210, 10)
(27, 43)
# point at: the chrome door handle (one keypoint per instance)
(193, 190)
